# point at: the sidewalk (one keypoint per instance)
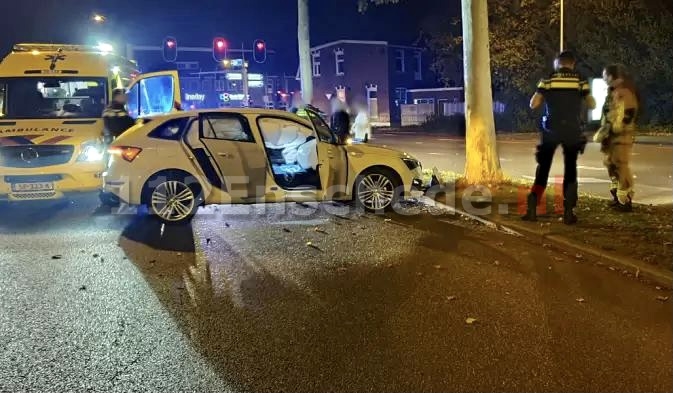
(638, 243)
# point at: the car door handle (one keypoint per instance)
(225, 155)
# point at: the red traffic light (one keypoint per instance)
(170, 49)
(219, 49)
(259, 53)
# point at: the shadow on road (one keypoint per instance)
(152, 233)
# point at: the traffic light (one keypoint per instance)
(259, 51)
(219, 49)
(170, 49)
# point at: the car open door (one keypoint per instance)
(332, 159)
(239, 158)
(154, 94)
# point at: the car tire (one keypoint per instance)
(377, 190)
(109, 199)
(172, 198)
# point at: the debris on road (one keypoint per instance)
(438, 267)
(57, 256)
(320, 230)
(449, 298)
(580, 300)
(207, 240)
(82, 288)
(286, 230)
(662, 298)
(470, 321)
(95, 255)
(637, 273)
(500, 244)
(387, 220)
(496, 263)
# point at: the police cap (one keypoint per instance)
(118, 92)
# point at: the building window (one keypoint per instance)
(220, 85)
(316, 63)
(399, 60)
(424, 101)
(418, 74)
(339, 59)
(401, 95)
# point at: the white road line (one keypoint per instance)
(505, 159)
(591, 168)
(435, 154)
(419, 143)
(299, 222)
(444, 139)
(585, 180)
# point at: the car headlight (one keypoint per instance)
(412, 163)
(91, 151)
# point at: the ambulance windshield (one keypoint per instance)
(39, 97)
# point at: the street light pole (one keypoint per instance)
(561, 20)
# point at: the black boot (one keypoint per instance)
(624, 207)
(614, 201)
(531, 208)
(569, 216)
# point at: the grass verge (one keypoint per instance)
(646, 234)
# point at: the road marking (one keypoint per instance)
(419, 143)
(314, 222)
(591, 168)
(585, 180)
(444, 139)
(435, 154)
(505, 159)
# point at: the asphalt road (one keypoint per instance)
(241, 301)
(652, 163)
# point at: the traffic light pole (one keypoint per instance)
(246, 99)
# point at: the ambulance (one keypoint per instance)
(52, 97)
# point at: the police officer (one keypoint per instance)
(115, 117)
(562, 95)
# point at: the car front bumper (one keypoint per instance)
(48, 183)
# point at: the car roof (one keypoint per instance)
(242, 111)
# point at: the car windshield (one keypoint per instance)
(39, 97)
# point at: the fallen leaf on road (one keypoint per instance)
(658, 288)
(637, 273)
(419, 274)
(57, 257)
(496, 263)
(578, 256)
(450, 298)
(558, 258)
(387, 220)
(549, 267)
(662, 298)
(500, 244)
(82, 288)
(612, 268)
(179, 254)
(226, 225)
(95, 255)
(153, 261)
(437, 267)
(286, 230)
(319, 230)
(580, 300)
(470, 321)
(546, 245)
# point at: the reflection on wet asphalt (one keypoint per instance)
(312, 298)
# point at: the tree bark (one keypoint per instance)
(482, 163)
(305, 67)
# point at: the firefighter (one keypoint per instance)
(563, 96)
(115, 117)
(617, 133)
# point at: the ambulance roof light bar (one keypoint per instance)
(29, 47)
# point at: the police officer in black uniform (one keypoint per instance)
(115, 117)
(563, 96)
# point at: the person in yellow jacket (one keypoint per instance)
(617, 133)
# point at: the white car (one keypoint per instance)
(176, 162)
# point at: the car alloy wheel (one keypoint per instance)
(376, 191)
(173, 201)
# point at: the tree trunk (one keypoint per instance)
(305, 67)
(482, 164)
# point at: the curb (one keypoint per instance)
(655, 275)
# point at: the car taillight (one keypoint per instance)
(128, 153)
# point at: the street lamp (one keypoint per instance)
(98, 18)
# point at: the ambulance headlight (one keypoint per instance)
(92, 151)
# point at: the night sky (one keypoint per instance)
(196, 22)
